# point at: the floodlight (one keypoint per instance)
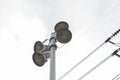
(44, 52)
(38, 46)
(61, 25)
(39, 59)
(64, 36)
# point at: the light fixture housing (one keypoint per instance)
(42, 52)
(39, 59)
(61, 25)
(38, 46)
(64, 36)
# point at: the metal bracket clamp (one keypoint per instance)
(115, 52)
(53, 41)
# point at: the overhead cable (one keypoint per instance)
(107, 40)
(114, 53)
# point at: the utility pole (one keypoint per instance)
(44, 52)
(53, 48)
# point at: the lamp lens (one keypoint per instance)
(38, 46)
(61, 25)
(64, 36)
(38, 59)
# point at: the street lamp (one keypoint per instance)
(63, 34)
(43, 52)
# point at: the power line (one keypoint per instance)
(103, 17)
(81, 61)
(117, 77)
(94, 67)
(107, 40)
(96, 48)
(111, 55)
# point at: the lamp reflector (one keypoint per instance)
(38, 46)
(64, 36)
(61, 25)
(38, 59)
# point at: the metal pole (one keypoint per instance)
(52, 57)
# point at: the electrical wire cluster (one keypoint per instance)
(114, 53)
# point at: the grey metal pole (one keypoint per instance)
(52, 57)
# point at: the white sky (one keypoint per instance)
(23, 22)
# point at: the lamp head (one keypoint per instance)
(38, 46)
(64, 36)
(61, 25)
(39, 59)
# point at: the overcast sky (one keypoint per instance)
(23, 22)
